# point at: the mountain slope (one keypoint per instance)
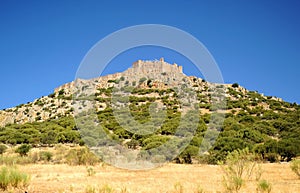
(264, 124)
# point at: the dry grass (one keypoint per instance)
(64, 178)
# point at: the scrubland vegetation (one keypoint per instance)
(257, 131)
(265, 126)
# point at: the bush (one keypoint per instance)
(51, 95)
(264, 186)
(61, 92)
(142, 80)
(49, 138)
(106, 189)
(235, 85)
(238, 168)
(272, 157)
(23, 149)
(178, 187)
(46, 155)
(2, 148)
(90, 171)
(81, 156)
(90, 189)
(295, 166)
(10, 176)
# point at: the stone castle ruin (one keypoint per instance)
(141, 68)
(154, 66)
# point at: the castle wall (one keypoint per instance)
(156, 66)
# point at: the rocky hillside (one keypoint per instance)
(264, 124)
(143, 75)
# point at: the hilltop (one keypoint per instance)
(267, 125)
(59, 103)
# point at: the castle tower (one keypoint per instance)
(180, 69)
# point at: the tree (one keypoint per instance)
(222, 146)
(23, 149)
(2, 148)
(142, 80)
(49, 138)
(268, 150)
(288, 149)
(61, 92)
(235, 85)
(188, 154)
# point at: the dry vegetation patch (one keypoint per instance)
(170, 178)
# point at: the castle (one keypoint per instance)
(151, 68)
(156, 66)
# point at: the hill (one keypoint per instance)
(154, 103)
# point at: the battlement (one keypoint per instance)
(159, 66)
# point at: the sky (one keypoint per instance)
(42, 43)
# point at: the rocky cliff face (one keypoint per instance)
(154, 75)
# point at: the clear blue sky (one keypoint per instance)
(255, 43)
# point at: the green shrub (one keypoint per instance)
(61, 92)
(199, 189)
(90, 171)
(81, 156)
(10, 176)
(46, 155)
(295, 166)
(142, 80)
(272, 157)
(90, 189)
(23, 149)
(124, 190)
(114, 81)
(106, 189)
(49, 138)
(235, 85)
(51, 95)
(178, 187)
(3, 148)
(264, 186)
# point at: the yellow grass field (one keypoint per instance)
(59, 178)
